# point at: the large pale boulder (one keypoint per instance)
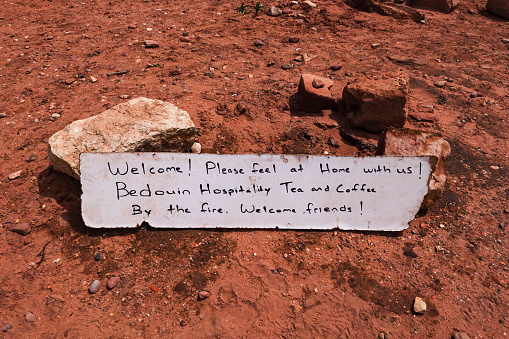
(376, 104)
(139, 125)
(499, 7)
(407, 142)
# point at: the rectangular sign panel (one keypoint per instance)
(181, 190)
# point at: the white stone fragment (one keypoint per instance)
(139, 125)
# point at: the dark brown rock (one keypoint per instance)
(406, 142)
(499, 7)
(365, 5)
(445, 6)
(375, 105)
(312, 99)
(240, 109)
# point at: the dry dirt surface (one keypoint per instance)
(66, 60)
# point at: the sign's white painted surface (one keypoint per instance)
(254, 191)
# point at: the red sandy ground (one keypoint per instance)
(335, 284)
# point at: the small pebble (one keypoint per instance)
(375, 45)
(475, 95)
(2, 115)
(30, 317)
(336, 67)
(6, 327)
(31, 158)
(294, 39)
(93, 79)
(196, 148)
(460, 335)
(309, 4)
(99, 256)
(151, 44)
(419, 306)
(15, 175)
(258, 43)
(113, 282)
(55, 115)
(333, 142)
(441, 84)
(124, 96)
(240, 109)
(286, 66)
(94, 287)
(185, 33)
(203, 295)
(21, 228)
(317, 83)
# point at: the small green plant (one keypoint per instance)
(243, 9)
(258, 7)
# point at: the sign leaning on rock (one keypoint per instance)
(253, 191)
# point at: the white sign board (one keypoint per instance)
(254, 191)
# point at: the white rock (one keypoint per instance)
(419, 306)
(274, 11)
(139, 125)
(196, 148)
(309, 4)
(15, 175)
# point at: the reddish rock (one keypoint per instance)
(400, 12)
(375, 105)
(313, 99)
(445, 6)
(406, 142)
(499, 7)
(22, 228)
(203, 295)
(113, 282)
(423, 117)
(30, 317)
